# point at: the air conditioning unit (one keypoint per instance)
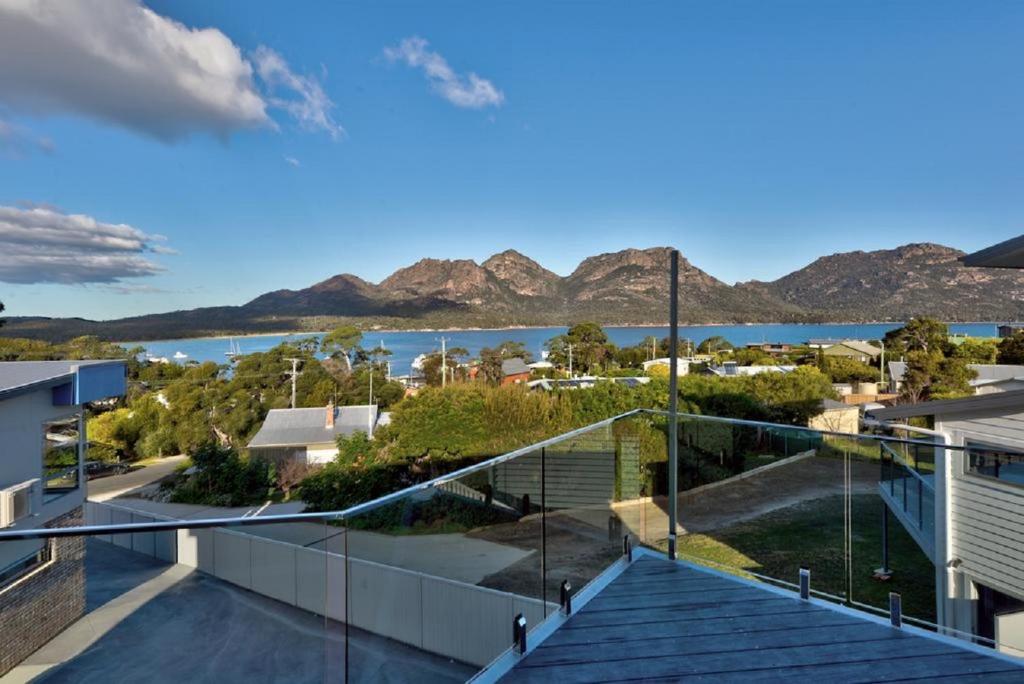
(16, 502)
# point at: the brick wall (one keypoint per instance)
(37, 608)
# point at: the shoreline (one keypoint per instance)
(627, 326)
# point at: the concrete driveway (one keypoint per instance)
(153, 622)
(105, 488)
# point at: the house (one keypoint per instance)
(514, 371)
(310, 434)
(773, 348)
(42, 485)
(1009, 330)
(836, 416)
(682, 365)
(970, 519)
(990, 377)
(854, 349)
(731, 369)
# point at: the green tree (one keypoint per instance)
(974, 350)
(930, 375)
(845, 369)
(453, 366)
(1011, 349)
(714, 344)
(918, 334)
(491, 358)
(339, 343)
(588, 345)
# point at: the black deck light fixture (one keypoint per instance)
(565, 596)
(895, 609)
(519, 634)
(673, 404)
(805, 583)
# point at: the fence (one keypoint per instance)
(453, 619)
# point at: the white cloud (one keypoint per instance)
(470, 91)
(120, 62)
(293, 161)
(308, 103)
(45, 245)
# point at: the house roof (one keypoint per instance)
(514, 366)
(998, 401)
(303, 426)
(23, 376)
(833, 405)
(1008, 254)
(987, 372)
(857, 346)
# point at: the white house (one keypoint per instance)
(310, 434)
(969, 515)
(42, 484)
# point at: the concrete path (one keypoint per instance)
(168, 623)
(105, 488)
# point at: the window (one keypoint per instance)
(26, 563)
(994, 462)
(60, 457)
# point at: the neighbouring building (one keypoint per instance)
(968, 514)
(42, 484)
(836, 416)
(731, 369)
(773, 348)
(682, 365)
(1009, 330)
(514, 371)
(853, 349)
(310, 434)
(991, 377)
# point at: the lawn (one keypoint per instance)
(811, 534)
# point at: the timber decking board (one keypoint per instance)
(714, 628)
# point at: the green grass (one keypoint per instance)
(811, 534)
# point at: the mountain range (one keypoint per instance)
(625, 288)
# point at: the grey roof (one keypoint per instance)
(987, 372)
(514, 366)
(859, 346)
(1008, 254)
(832, 404)
(299, 427)
(17, 376)
(1012, 400)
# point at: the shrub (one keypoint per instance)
(223, 478)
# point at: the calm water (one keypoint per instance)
(406, 346)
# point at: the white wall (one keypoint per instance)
(21, 458)
(453, 619)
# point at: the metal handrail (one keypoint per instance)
(913, 471)
(163, 526)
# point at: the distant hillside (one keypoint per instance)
(894, 284)
(627, 287)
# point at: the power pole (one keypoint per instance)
(570, 359)
(294, 373)
(444, 364)
(673, 404)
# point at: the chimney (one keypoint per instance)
(330, 417)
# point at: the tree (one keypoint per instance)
(586, 342)
(453, 366)
(930, 375)
(713, 344)
(491, 358)
(847, 370)
(339, 342)
(753, 357)
(974, 350)
(1, 311)
(1011, 349)
(919, 334)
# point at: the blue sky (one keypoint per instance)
(753, 136)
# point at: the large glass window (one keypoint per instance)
(995, 462)
(60, 456)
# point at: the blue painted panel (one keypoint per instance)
(100, 381)
(64, 395)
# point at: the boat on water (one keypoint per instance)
(234, 350)
(180, 356)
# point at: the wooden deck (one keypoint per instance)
(666, 621)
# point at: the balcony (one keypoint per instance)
(562, 542)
